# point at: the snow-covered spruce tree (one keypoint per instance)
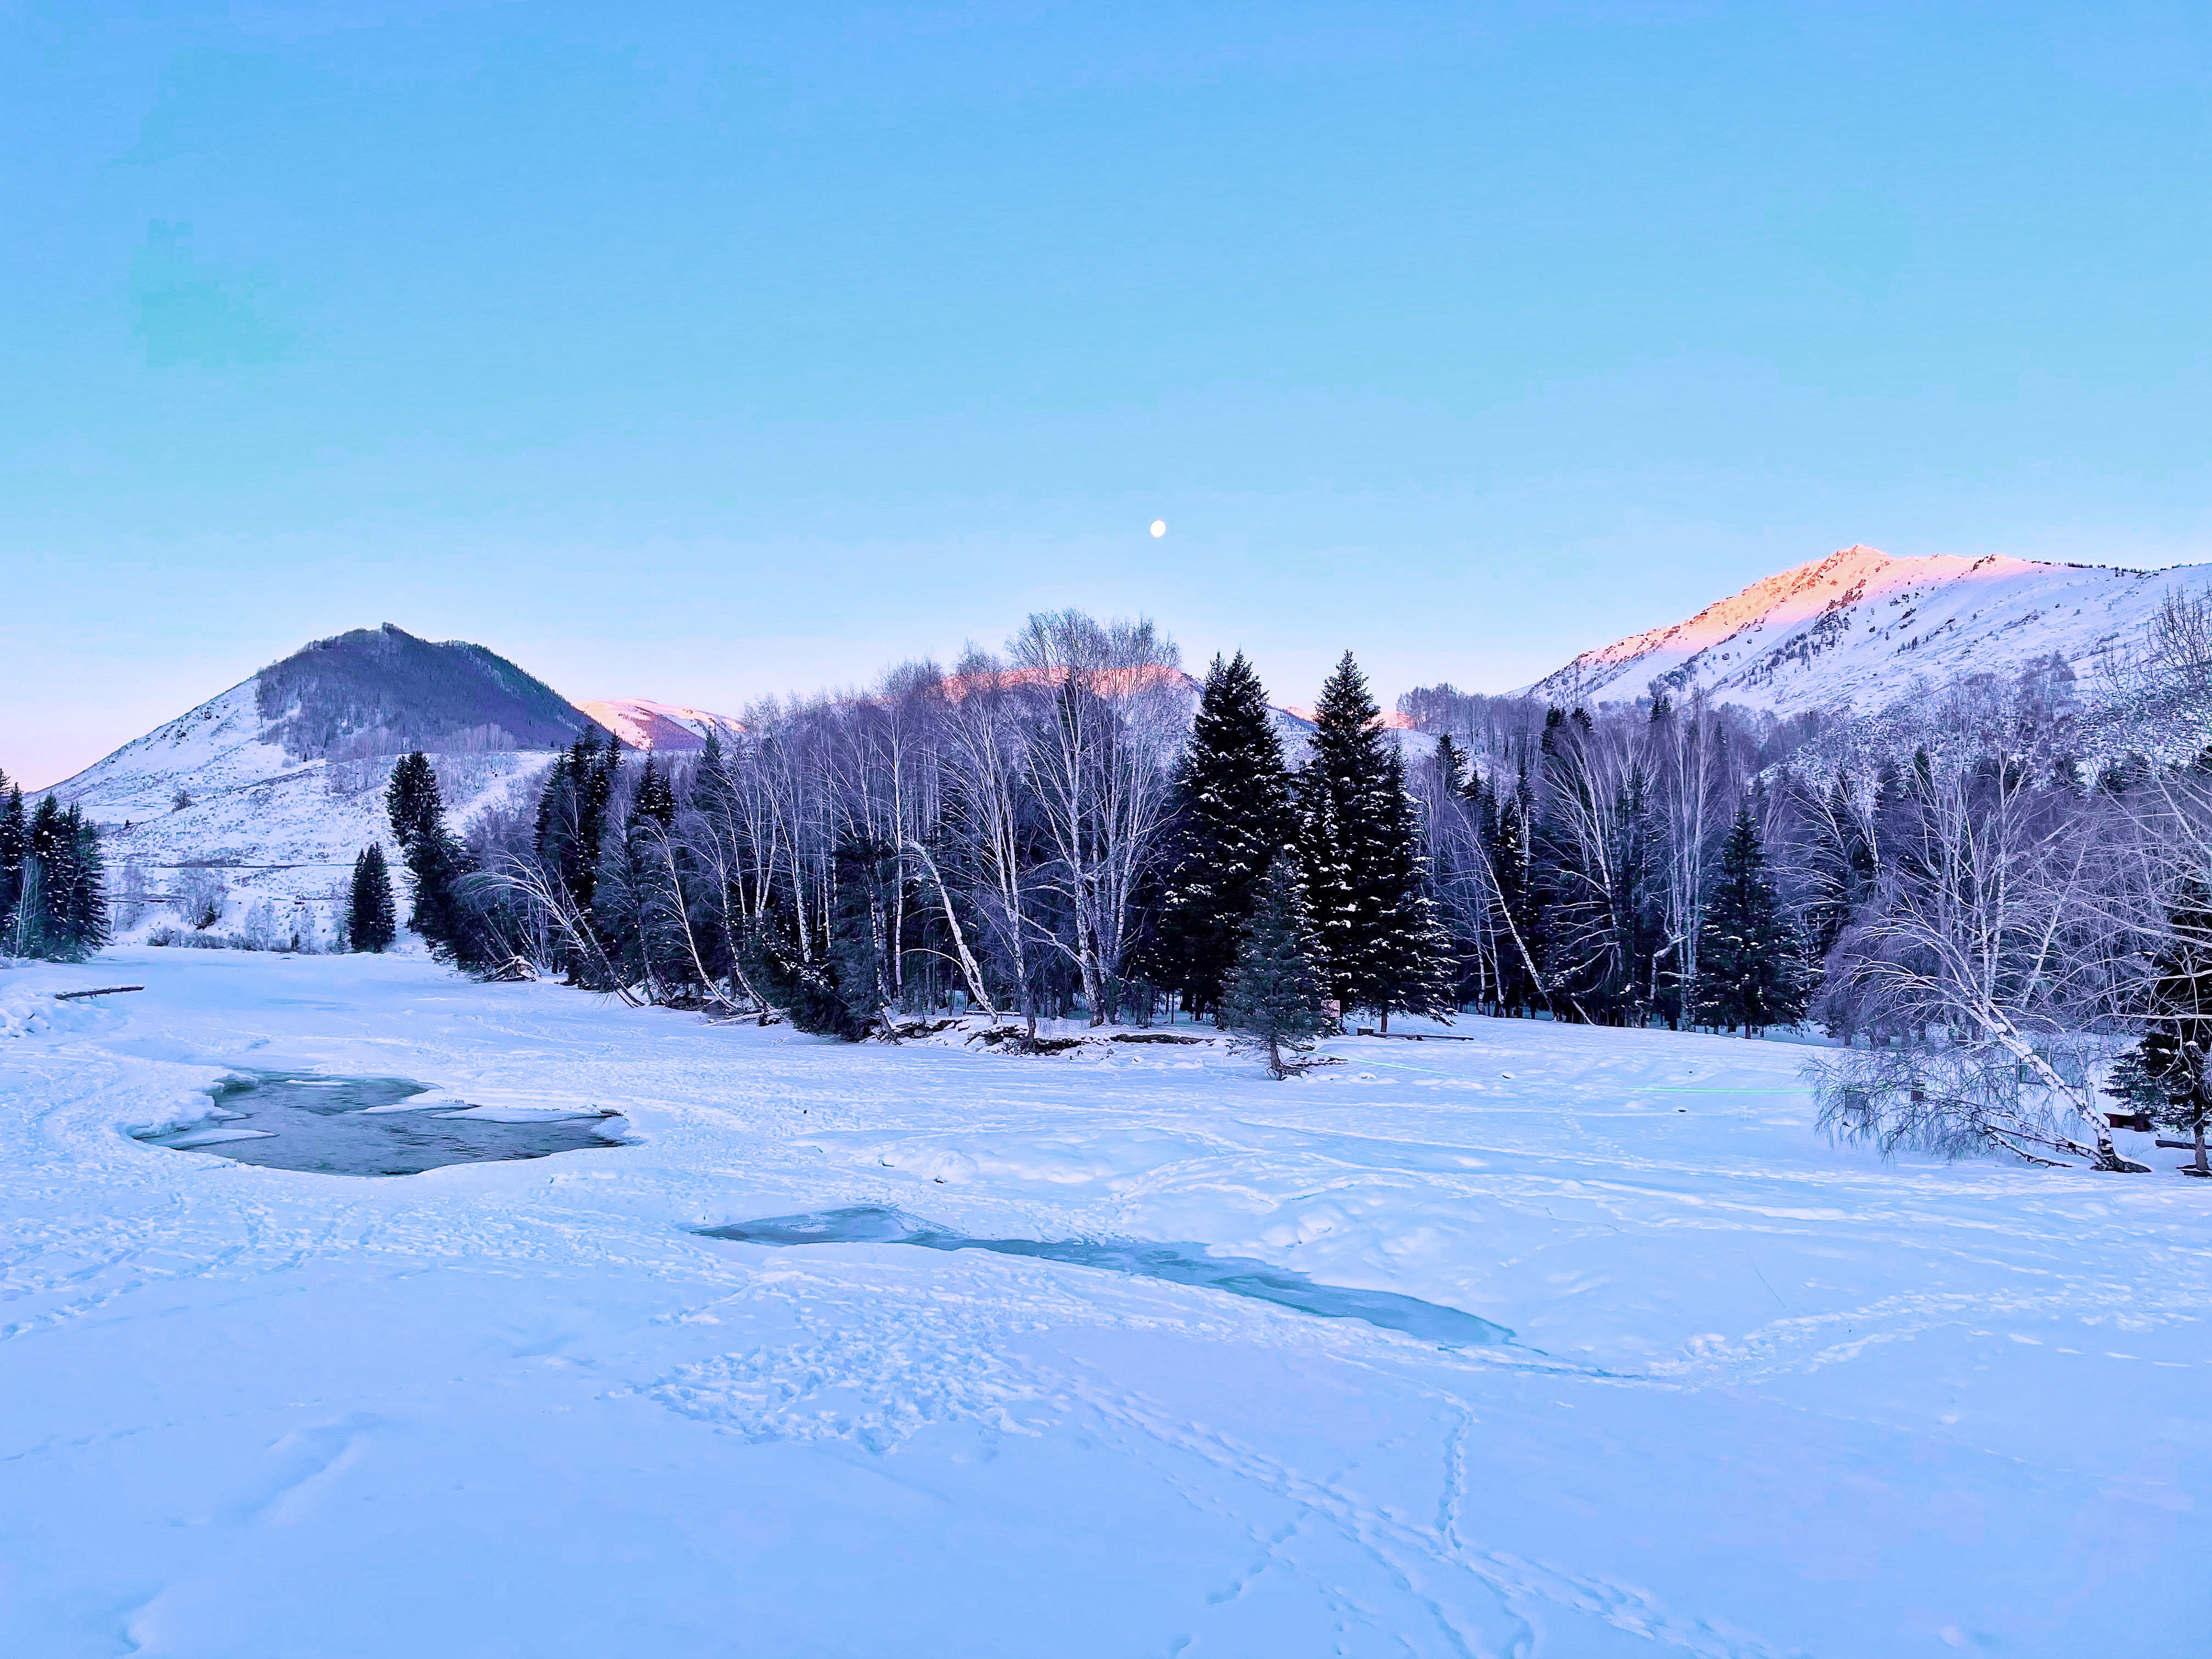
(835, 990)
(641, 896)
(14, 846)
(1842, 863)
(1273, 1002)
(2164, 1074)
(60, 911)
(1359, 849)
(1231, 816)
(372, 920)
(1458, 817)
(435, 858)
(1750, 970)
(1336, 799)
(1451, 767)
(569, 842)
(412, 801)
(1410, 969)
(84, 896)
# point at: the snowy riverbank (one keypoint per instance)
(1765, 1397)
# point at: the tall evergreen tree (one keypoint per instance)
(1231, 814)
(1749, 971)
(555, 802)
(1512, 852)
(14, 846)
(60, 908)
(571, 832)
(412, 802)
(838, 991)
(636, 899)
(435, 858)
(81, 888)
(2166, 1074)
(655, 799)
(1273, 1002)
(1409, 966)
(1340, 806)
(1842, 867)
(372, 920)
(1451, 769)
(1359, 845)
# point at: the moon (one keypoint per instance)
(1159, 528)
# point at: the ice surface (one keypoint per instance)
(1797, 1402)
(1178, 1264)
(362, 1126)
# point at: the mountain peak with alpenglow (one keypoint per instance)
(663, 728)
(1857, 630)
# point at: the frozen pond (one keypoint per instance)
(348, 1126)
(1179, 1264)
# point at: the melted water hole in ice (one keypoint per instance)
(328, 1126)
(1178, 1264)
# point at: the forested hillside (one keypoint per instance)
(382, 692)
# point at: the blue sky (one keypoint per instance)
(697, 352)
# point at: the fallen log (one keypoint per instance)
(103, 991)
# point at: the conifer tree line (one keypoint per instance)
(1623, 867)
(1052, 831)
(1991, 896)
(53, 881)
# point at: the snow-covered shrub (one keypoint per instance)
(262, 930)
(265, 928)
(187, 938)
(130, 903)
(1963, 1097)
(201, 895)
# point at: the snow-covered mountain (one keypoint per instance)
(1860, 630)
(663, 728)
(278, 782)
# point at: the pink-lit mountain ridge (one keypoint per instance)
(1860, 631)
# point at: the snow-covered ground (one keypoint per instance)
(1765, 1397)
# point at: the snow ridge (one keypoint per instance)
(664, 728)
(1860, 630)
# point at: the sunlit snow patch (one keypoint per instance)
(360, 1125)
(1179, 1264)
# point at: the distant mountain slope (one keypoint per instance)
(382, 692)
(1858, 628)
(279, 780)
(662, 728)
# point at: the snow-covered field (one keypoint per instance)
(1765, 1397)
